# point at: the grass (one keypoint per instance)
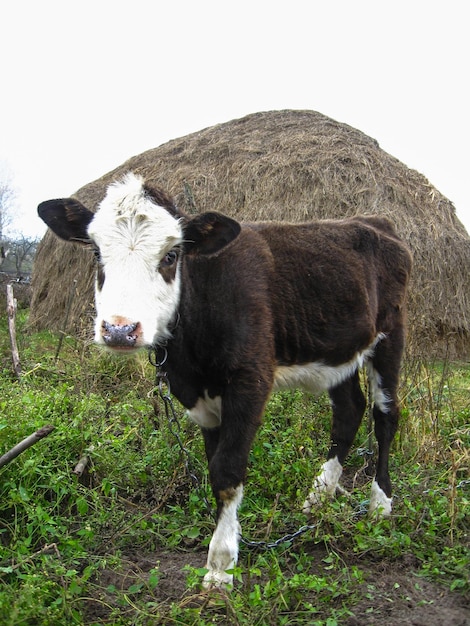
(101, 548)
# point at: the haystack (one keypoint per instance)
(290, 166)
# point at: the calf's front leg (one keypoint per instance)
(227, 449)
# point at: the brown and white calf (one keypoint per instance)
(244, 309)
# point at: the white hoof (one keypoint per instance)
(380, 504)
(324, 485)
(223, 548)
(217, 580)
(314, 500)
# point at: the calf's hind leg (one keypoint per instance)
(348, 406)
(383, 372)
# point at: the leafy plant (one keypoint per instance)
(85, 549)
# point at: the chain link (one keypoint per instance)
(269, 545)
(157, 357)
(460, 485)
(162, 386)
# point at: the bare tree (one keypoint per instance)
(8, 196)
(21, 254)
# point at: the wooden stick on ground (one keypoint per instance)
(25, 444)
(83, 462)
(47, 548)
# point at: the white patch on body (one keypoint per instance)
(207, 412)
(133, 235)
(325, 483)
(317, 377)
(379, 395)
(223, 548)
(380, 504)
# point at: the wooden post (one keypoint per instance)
(11, 312)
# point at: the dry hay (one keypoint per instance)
(290, 166)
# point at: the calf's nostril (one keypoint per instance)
(119, 335)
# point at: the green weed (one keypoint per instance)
(77, 549)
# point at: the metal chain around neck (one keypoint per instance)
(157, 357)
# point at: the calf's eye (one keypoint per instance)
(169, 259)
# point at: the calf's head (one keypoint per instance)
(139, 238)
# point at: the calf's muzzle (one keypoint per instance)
(120, 335)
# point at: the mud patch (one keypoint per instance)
(392, 593)
(399, 597)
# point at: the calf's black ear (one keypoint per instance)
(209, 232)
(67, 218)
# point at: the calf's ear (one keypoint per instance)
(209, 232)
(67, 218)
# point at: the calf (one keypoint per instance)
(244, 309)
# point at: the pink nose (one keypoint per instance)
(120, 335)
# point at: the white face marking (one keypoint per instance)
(325, 483)
(207, 412)
(380, 504)
(223, 548)
(318, 377)
(133, 235)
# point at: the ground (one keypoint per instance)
(393, 594)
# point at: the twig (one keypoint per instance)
(50, 547)
(25, 444)
(11, 312)
(83, 462)
(271, 518)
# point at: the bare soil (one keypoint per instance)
(392, 593)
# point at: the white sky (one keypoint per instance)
(88, 84)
